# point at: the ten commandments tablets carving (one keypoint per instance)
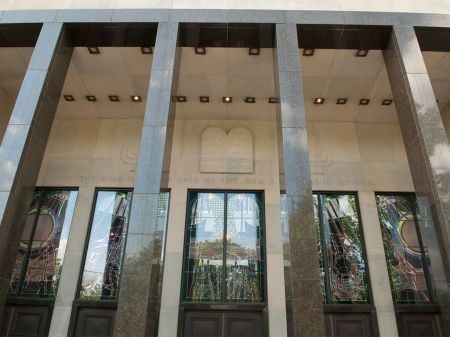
(223, 152)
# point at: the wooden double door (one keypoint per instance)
(201, 323)
(25, 320)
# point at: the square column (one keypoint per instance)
(73, 259)
(376, 261)
(426, 146)
(173, 266)
(25, 140)
(139, 296)
(304, 298)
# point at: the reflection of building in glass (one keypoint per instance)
(114, 255)
(223, 257)
(106, 245)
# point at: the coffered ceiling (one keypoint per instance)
(329, 73)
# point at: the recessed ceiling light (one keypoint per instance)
(362, 52)
(319, 100)
(308, 52)
(69, 98)
(114, 98)
(249, 99)
(364, 101)
(181, 99)
(387, 102)
(93, 50)
(146, 50)
(273, 100)
(136, 98)
(200, 50)
(204, 99)
(341, 101)
(253, 51)
(227, 99)
(91, 98)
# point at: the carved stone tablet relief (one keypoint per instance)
(223, 152)
(213, 150)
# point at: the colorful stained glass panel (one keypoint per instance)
(405, 256)
(319, 246)
(44, 240)
(342, 259)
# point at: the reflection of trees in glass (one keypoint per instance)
(41, 251)
(342, 262)
(218, 269)
(405, 254)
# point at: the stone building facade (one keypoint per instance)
(178, 168)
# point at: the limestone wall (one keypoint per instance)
(345, 156)
(6, 107)
(414, 6)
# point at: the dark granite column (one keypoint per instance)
(304, 298)
(426, 146)
(26, 138)
(137, 313)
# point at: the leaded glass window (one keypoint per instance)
(40, 256)
(104, 254)
(406, 255)
(224, 248)
(342, 266)
(106, 243)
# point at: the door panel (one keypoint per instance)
(348, 325)
(419, 325)
(95, 322)
(242, 324)
(26, 320)
(203, 324)
(222, 324)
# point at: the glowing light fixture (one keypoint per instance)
(319, 100)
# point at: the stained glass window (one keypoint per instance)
(161, 219)
(40, 256)
(342, 261)
(406, 256)
(319, 247)
(224, 248)
(106, 246)
(104, 255)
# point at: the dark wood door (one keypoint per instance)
(25, 320)
(222, 324)
(348, 325)
(419, 325)
(95, 322)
